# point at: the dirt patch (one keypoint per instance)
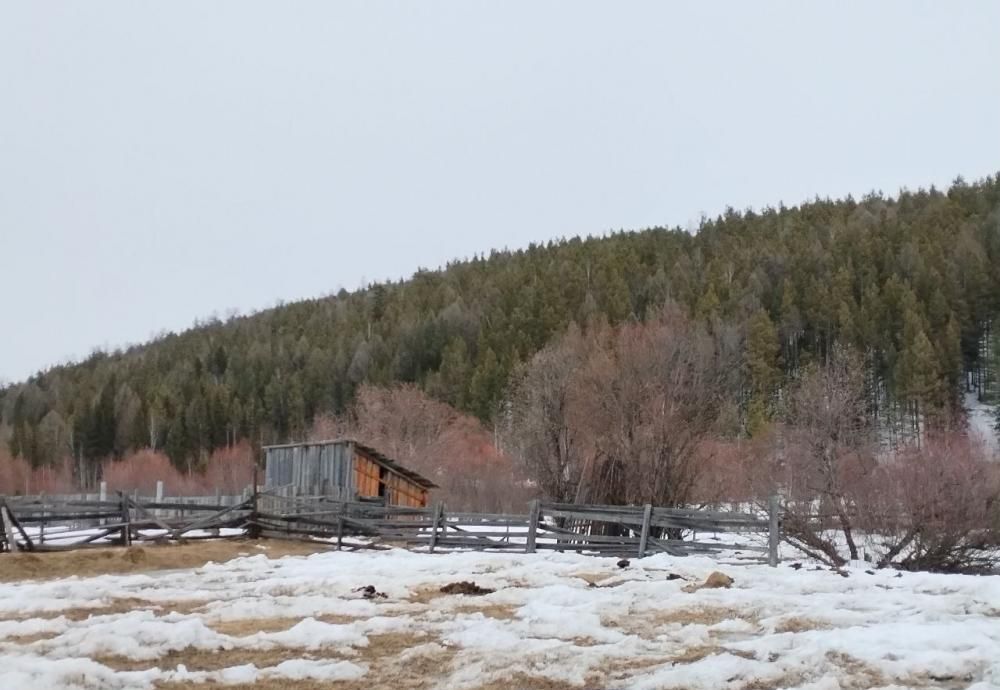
(467, 588)
(112, 559)
(425, 595)
(488, 609)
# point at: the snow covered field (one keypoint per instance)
(554, 622)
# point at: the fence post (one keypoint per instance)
(8, 529)
(126, 519)
(340, 525)
(159, 497)
(253, 529)
(103, 496)
(41, 525)
(438, 510)
(773, 531)
(647, 517)
(533, 518)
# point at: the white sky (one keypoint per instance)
(163, 161)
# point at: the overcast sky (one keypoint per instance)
(165, 161)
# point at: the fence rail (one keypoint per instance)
(54, 523)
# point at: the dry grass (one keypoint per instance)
(242, 627)
(857, 674)
(646, 623)
(115, 606)
(28, 639)
(797, 624)
(464, 604)
(381, 650)
(101, 561)
(519, 681)
(623, 669)
(503, 612)
(381, 657)
(693, 654)
(217, 659)
(271, 684)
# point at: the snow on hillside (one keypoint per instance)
(555, 621)
(982, 421)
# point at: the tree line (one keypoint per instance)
(910, 283)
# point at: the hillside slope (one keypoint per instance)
(912, 282)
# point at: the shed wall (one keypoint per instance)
(312, 469)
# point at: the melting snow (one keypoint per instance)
(783, 628)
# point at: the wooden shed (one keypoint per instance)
(346, 469)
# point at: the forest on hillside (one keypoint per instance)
(910, 285)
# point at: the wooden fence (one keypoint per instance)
(46, 524)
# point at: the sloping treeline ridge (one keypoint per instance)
(912, 282)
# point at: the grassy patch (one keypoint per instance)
(112, 559)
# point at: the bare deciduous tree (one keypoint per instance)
(540, 425)
(621, 415)
(823, 448)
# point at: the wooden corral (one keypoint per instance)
(344, 469)
(55, 524)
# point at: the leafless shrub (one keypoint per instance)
(933, 507)
(621, 415)
(936, 507)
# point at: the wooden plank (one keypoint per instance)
(154, 519)
(644, 538)
(438, 509)
(11, 519)
(205, 522)
(126, 520)
(487, 517)
(534, 517)
(67, 517)
(8, 529)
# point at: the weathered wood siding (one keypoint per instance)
(314, 469)
(372, 479)
(367, 476)
(402, 492)
(343, 469)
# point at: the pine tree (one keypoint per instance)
(762, 369)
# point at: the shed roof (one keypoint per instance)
(377, 456)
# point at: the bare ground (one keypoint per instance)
(116, 559)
